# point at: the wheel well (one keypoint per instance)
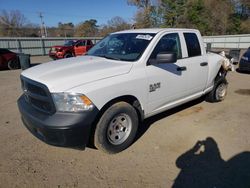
(68, 52)
(221, 73)
(133, 101)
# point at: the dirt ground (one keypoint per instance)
(162, 156)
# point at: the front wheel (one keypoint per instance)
(219, 91)
(117, 128)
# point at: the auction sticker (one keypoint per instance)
(144, 37)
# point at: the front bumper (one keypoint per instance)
(56, 55)
(59, 129)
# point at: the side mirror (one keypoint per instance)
(166, 57)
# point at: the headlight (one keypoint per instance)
(70, 102)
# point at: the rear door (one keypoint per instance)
(80, 48)
(196, 61)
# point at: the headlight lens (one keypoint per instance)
(70, 102)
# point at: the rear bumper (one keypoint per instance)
(59, 129)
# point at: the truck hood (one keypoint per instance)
(62, 75)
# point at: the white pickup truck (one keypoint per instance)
(127, 77)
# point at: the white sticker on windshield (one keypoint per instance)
(144, 37)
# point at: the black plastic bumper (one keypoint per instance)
(59, 129)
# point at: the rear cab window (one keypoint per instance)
(193, 45)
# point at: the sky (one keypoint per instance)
(74, 11)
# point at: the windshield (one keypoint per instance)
(69, 43)
(123, 46)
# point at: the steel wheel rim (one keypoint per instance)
(221, 91)
(119, 129)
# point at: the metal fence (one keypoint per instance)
(228, 41)
(36, 46)
(41, 46)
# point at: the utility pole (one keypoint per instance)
(43, 27)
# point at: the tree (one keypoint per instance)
(173, 12)
(115, 24)
(65, 29)
(240, 19)
(11, 23)
(87, 29)
(145, 16)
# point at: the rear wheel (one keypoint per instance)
(13, 64)
(117, 128)
(219, 91)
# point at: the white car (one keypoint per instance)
(127, 77)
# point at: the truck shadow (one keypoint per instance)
(145, 125)
(202, 166)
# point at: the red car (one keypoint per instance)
(8, 59)
(70, 48)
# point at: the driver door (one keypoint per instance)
(80, 48)
(168, 82)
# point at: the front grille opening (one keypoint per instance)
(35, 89)
(42, 100)
(45, 106)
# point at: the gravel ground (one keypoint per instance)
(164, 155)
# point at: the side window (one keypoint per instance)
(193, 45)
(81, 43)
(168, 43)
(89, 42)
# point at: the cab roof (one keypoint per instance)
(156, 30)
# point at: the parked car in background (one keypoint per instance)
(71, 48)
(245, 61)
(8, 59)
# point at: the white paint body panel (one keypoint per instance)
(102, 80)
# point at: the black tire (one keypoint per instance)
(68, 55)
(219, 91)
(116, 129)
(14, 64)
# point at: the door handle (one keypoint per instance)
(181, 69)
(203, 64)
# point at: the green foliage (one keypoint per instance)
(211, 17)
(235, 24)
(87, 28)
(65, 29)
(147, 14)
(173, 12)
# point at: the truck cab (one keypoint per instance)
(127, 77)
